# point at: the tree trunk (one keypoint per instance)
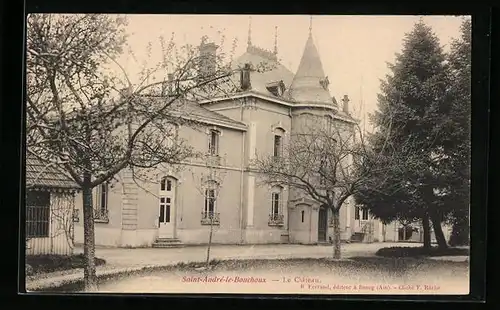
(427, 231)
(438, 230)
(336, 234)
(89, 271)
(210, 240)
(460, 232)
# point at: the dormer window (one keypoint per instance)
(324, 83)
(276, 88)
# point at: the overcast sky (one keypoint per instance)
(354, 49)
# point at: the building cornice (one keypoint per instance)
(288, 104)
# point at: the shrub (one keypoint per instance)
(29, 270)
(51, 262)
(419, 251)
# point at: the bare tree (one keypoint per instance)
(62, 216)
(95, 122)
(209, 183)
(328, 162)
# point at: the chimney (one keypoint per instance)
(346, 104)
(170, 86)
(207, 58)
(245, 82)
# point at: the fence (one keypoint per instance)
(49, 223)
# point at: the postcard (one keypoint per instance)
(263, 154)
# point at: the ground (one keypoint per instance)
(153, 256)
(358, 275)
(144, 269)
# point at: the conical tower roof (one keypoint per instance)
(307, 85)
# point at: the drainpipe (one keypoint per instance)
(289, 191)
(241, 177)
(288, 216)
(310, 224)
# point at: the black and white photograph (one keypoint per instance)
(247, 154)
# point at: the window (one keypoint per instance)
(104, 196)
(279, 133)
(365, 214)
(101, 206)
(277, 146)
(276, 203)
(213, 143)
(165, 205)
(166, 198)
(209, 200)
(37, 214)
(327, 123)
(322, 170)
(276, 215)
(210, 214)
(356, 213)
(172, 135)
(166, 183)
(302, 215)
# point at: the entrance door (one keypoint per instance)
(166, 209)
(322, 224)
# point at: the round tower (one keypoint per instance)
(313, 107)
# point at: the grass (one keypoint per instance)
(420, 252)
(50, 263)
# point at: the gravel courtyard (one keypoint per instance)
(359, 275)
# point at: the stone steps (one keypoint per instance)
(357, 237)
(168, 243)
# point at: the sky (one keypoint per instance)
(354, 49)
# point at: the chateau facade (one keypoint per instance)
(272, 106)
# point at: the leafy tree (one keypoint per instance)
(415, 97)
(85, 114)
(457, 128)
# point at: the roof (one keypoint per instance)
(274, 70)
(306, 85)
(193, 110)
(41, 174)
(203, 114)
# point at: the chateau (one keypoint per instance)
(256, 121)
